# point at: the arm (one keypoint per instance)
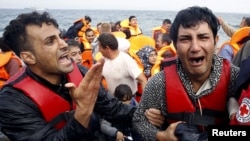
(153, 97)
(107, 128)
(142, 80)
(226, 28)
(109, 108)
(25, 121)
(227, 52)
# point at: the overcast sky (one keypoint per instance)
(234, 6)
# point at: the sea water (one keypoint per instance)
(146, 19)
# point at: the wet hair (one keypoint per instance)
(166, 38)
(116, 24)
(72, 42)
(107, 39)
(89, 30)
(123, 92)
(192, 16)
(15, 34)
(130, 18)
(87, 18)
(166, 21)
(247, 21)
(3, 46)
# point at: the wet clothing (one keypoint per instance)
(154, 95)
(21, 119)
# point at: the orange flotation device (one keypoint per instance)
(5, 58)
(119, 34)
(84, 28)
(138, 42)
(238, 39)
(157, 67)
(87, 58)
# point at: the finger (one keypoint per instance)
(71, 87)
(95, 72)
(154, 111)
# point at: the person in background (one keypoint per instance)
(241, 116)
(238, 38)
(74, 50)
(86, 24)
(123, 93)
(118, 61)
(98, 28)
(148, 57)
(242, 54)
(229, 30)
(117, 26)
(164, 28)
(88, 60)
(132, 28)
(123, 44)
(164, 44)
(28, 99)
(10, 64)
(198, 81)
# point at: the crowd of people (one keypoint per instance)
(86, 84)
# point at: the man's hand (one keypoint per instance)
(155, 117)
(85, 94)
(169, 133)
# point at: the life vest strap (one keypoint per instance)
(60, 119)
(192, 118)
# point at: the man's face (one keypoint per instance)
(242, 23)
(50, 56)
(90, 36)
(133, 22)
(75, 54)
(195, 48)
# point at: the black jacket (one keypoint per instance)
(21, 119)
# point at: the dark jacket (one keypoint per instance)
(21, 119)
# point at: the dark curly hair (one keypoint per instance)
(192, 16)
(15, 35)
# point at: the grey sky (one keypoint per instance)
(238, 6)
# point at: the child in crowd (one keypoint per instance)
(123, 93)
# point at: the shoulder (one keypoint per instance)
(82, 69)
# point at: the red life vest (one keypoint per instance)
(242, 117)
(180, 107)
(49, 103)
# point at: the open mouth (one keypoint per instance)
(64, 58)
(197, 60)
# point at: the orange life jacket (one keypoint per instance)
(5, 58)
(135, 31)
(157, 66)
(156, 30)
(81, 32)
(237, 39)
(87, 58)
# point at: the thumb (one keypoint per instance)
(71, 87)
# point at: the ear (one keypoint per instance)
(28, 57)
(216, 40)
